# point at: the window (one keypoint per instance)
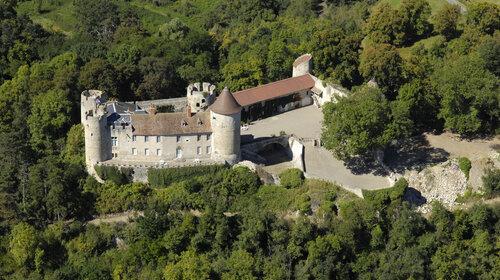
(158, 152)
(209, 149)
(198, 137)
(114, 141)
(178, 138)
(178, 152)
(134, 138)
(146, 151)
(134, 151)
(199, 150)
(146, 139)
(184, 123)
(208, 137)
(158, 139)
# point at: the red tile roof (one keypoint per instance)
(301, 59)
(273, 90)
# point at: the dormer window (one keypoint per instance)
(200, 123)
(184, 123)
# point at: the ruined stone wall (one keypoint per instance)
(179, 104)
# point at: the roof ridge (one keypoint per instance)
(271, 83)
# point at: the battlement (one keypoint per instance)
(200, 96)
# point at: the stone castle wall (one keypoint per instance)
(179, 103)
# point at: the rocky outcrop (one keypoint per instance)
(443, 182)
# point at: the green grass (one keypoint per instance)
(57, 19)
(406, 52)
(278, 198)
(62, 18)
(435, 4)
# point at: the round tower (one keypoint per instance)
(225, 116)
(94, 121)
(302, 65)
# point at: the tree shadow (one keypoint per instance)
(414, 197)
(364, 165)
(413, 154)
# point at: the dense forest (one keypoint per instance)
(436, 67)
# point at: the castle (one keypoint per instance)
(207, 131)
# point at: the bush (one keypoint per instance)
(167, 176)
(241, 180)
(383, 197)
(303, 203)
(491, 182)
(465, 165)
(118, 198)
(274, 198)
(292, 178)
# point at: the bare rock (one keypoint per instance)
(443, 182)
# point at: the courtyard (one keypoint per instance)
(305, 123)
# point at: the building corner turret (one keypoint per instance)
(97, 135)
(225, 117)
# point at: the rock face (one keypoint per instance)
(443, 182)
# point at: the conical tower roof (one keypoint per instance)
(225, 104)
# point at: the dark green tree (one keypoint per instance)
(469, 96)
(484, 15)
(383, 63)
(446, 20)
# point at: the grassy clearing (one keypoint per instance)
(280, 199)
(435, 4)
(62, 18)
(406, 52)
(55, 18)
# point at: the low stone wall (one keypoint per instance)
(179, 104)
(297, 153)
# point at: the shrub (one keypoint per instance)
(465, 165)
(241, 180)
(115, 198)
(383, 197)
(491, 182)
(292, 178)
(274, 198)
(303, 203)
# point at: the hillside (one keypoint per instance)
(57, 221)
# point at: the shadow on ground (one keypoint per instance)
(363, 165)
(414, 154)
(415, 197)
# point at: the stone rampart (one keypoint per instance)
(179, 104)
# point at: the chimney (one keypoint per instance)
(189, 111)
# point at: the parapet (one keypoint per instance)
(200, 96)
